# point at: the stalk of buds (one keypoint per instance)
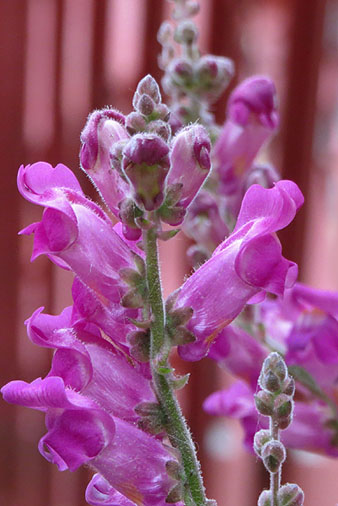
(275, 400)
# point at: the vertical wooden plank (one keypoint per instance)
(299, 120)
(151, 48)
(12, 40)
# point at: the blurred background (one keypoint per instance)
(62, 58)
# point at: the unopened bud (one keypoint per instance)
(147, 86)
(163, 112)
(265, 498)
(135, 123)
(190, 162)
(160, 128)
(175, 494)
(256, 97)
(290, 494)
(145, 163)
(139, 343)
(165, 33)
(264, 403)
(182, 69)
(186, 33)
(273, 455)
(283, 423)
(192, 8)
(260, 439)
(274, 373)
(289, 387)
(145, 105)
(173, 469)
(265, 175)
(283, 406)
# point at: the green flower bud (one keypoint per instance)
(264, 403)
(265, 498)
(273, 455)
(290, 494)
(260, 439)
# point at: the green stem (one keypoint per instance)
(176, 426)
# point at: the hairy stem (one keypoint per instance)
(275, 478)
(176, 426)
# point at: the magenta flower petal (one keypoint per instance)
(103, 130)
(77, 429)
(236, 351)
(134, 464)
(100, 493)
(240, 267)
(37, 181)
(252, 118)
(189, 162)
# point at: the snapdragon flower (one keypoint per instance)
(248, 263)
(89, 399)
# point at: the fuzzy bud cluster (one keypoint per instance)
(289, 494)
(275, 398)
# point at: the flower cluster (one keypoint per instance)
(109, 400)
(302, 326)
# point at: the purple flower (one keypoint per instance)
(88, 398)
(189, 162)
(305, 326)
(252, 118)
(146, 163)
(104, 129)
(74, 232)
(239, 353)
(246, 264)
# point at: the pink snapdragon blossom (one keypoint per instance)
(237, 352)
(305, 327)
(251, 120)
(103, 130)
(74, 232)
(89, 398)
(190, 162)
(248, 263)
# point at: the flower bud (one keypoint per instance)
(265, 498)
(260, 439)
(289, 387)
(192, 8)
(290, 494)
(147, 86)
(145, 163)
(190, 162)
(264, 174)
(283, 423)
(264, 403)
(135, 122)
(273, 455)
(160, 128)
(283, 406)
(145, 105)
(254, 97)
(104, 129)
(186, 33)
(139, 344)
(129, 212)
(213, 74)
(274, 373)
(165, 33)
